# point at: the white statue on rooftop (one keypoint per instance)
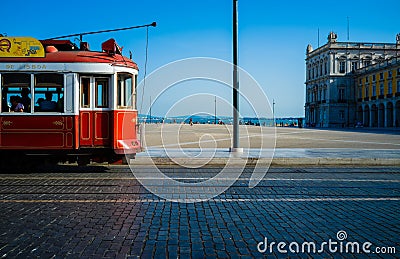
(332, 37)
(309, 48)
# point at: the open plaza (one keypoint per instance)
(206, 135)
(283, 146)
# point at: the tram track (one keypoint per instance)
(236, 191)
(120, 185)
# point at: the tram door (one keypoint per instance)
(95, 113)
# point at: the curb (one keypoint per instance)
(239, 162)
(336, 161)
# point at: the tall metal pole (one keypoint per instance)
(215, 110)
(150, 109)
(273, 111)
(235, 141)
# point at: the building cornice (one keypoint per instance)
(395, 61)
(360, 46)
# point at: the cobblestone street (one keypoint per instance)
(98, 212)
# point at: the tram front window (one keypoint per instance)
(16, 92)
(49, 92)
(101, 93)
(126, 93)
(85, 92)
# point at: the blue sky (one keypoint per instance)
(273, 35)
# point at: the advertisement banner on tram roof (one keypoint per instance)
(20, 47)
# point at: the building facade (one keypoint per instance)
(378, 94)
(333, 73)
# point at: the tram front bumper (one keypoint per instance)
(128, 146)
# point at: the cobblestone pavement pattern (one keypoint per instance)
(103, 212)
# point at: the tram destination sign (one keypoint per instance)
(20, 47)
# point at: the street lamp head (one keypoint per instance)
(154, 24)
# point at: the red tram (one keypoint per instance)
(76, 104)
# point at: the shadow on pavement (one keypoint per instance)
(392, 131)
(37, 169)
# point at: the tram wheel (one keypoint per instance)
(126, 159)
(83, 160)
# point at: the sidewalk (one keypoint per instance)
(281, 157)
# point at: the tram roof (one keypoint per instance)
(77, 57)
(64, 51)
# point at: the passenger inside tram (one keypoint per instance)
(60, 104)
(26, 100)
(16, 105)
(4, 104)
(48, 105)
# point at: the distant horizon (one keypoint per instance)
(218, 116)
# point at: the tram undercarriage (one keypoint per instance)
(28, 159)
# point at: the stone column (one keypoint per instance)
(370, 117)
(385, 124)
(378, 115)
(363, 115)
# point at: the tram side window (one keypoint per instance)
(16, 92)
(49, 92)
(101, 93)
(125, 97)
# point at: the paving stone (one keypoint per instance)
(83, 219)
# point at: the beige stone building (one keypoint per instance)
(333, 74)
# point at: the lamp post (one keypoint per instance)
(215, 110)
(273, 112)
(235, 141)
(150, 109)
